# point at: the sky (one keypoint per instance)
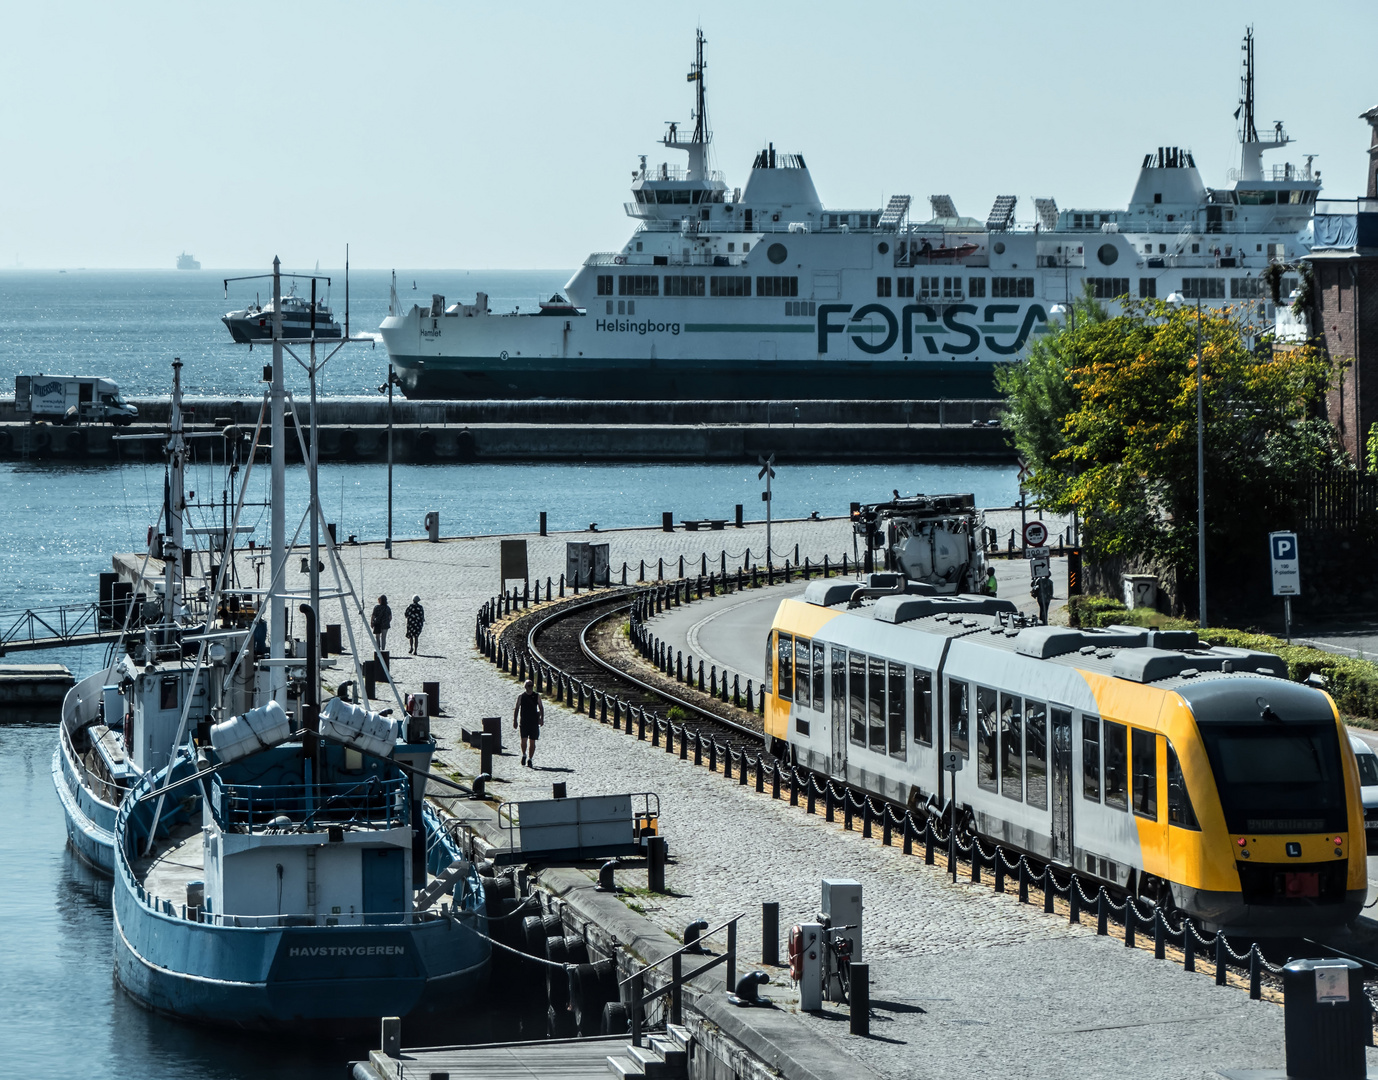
(483, 135)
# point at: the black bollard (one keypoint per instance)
(1047, 891)
(712, 754)
(655, 863)
(760, 773)
(999, 870)
(775, 780)
(1023, 882)
(866, 820)
(847, 810)
(1255, 973)
(860, 1020)
(928, 843)
(1073, 901)
(727, 764)
(770, 933)
(1130, 918)
(1188, 946)
(1159, 941)
(698, 749)
(1219, 958)
(485, 753)
(1102, 913)
(793, 788)
(809, 800)
(975, 863)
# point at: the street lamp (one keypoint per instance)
(1176, 300)
(392, 381)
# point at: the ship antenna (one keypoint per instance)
(1248, 132)
(700, 113)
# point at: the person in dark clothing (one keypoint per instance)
(1043, 592)
(416, 619)
(380, 622)
(529, 717)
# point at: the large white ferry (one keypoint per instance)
(762, 291)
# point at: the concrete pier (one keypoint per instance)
(33, 693)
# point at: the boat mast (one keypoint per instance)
(697, 146)
(277, 611)
(1248, 133)
(174, 505)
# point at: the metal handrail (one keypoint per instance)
(639, 997)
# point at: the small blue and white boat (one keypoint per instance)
(295, 877)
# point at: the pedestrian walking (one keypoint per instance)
(416, 619)
(380, 622)
(990, 587)
(529, 717)
(1043, 592)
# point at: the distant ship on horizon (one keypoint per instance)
(186, 262)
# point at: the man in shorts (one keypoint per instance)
(529, 717)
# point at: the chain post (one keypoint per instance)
(1023, 882)
(1131, 916)
(1219, 958)
(1073, 900)
(999, 869)
(1159, 935)
(1255, 972)
(1188, 946)
(1101, 913)
(1047, 891)
(928, 837)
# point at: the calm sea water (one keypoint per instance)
(64, 1015)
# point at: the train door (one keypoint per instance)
(1060, 743)
(838, 694)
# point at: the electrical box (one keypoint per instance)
(806, 964)
(841, 908)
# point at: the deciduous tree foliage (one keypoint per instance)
(1104, 410)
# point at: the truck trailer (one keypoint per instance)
(71, 399)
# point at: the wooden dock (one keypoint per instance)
(560, 1059)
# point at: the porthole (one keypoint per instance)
(776, 253)
(1108, 253)
(883, 247)
(999, 247)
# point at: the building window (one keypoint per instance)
(1036, 754)
(959, 717)
(777, 286)
(923, 707)
(723, 285)
(986, 721)
(856, 695)
(1148, 288)
(1011, 747)
(686, 285)
(875, 705)
(1090, 757)
(896, 712)
(1203, 288)
(1107, 288)
(904, 286)
(803, 679)
(1144, 759)
(882, 286)
(604, 284)
(976, 287)
(638, 285)
(785, 668)
(1012, 287)
(1179, 810)
(1116, 766)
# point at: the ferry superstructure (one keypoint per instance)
(762, 291)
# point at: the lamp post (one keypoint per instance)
(392, 381)
(1176, 300)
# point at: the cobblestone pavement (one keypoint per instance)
(1006, 989)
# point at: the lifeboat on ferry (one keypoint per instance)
(927, 253)
(558, 305)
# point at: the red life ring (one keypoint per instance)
(796, 953)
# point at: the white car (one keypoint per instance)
(1368, 780)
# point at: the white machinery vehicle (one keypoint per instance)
(71, 399)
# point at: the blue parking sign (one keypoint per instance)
(1286, 563)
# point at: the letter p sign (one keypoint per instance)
(1286, 566)
(1284, 547)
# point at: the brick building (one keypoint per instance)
(1344, 259)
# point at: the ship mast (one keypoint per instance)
(697, 146)
(1251, 146)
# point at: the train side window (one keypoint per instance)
(1090, 757)
(876, 705)
(786, 667)
(986, 721)
(1116, 766)
(819, 670)
(803, 678)
(1143, 746)
(958, 716)
(1011, 747)
(1036, 754)
(895, 697)
(923, 707)
(770, 662)
(839, 688)
(856, 695)
(1179, 809)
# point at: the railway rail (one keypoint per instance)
(552, 647)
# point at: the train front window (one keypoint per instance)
(786, 668)
(1179, 808)
(1144, 745)
(1277, 778)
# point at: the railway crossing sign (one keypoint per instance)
(1035, 534)
(1286, 566)
(767, 474)
(1024, 470)
(766, 466)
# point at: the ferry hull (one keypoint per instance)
(493, 378)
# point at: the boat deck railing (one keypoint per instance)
(271, 922)
(370, 803)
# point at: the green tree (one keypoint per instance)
(1104, 410)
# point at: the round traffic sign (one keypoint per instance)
(1035, 534)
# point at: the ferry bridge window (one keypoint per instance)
(638, 285)
(1249, 288)
(923, 708)
(1012, 287)
(723, 285)
(167, 692)
(952, 288)
(1179, 810)
(1148, 288)
(683, 285)
(1144, 759)
(839, 687)
(819, 670)
(904, 286)
(876, 705)
(1107, 288)
(1256, 198)
(1011, 747)
(1036, 754)
(745, 246)
(777, 286)
(976, 287)
(1196, 249)
(803, 677)
(1090, 757)
(986, 722)
(895, 697)
(1203, 288)
(604, 284)
(1116, 766)
(785, 667)
(930, 287)
(856, 695)
(882, 286)
(731, 246)
(958, 716)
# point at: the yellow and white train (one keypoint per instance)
(1201, 777)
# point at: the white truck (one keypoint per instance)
(70, 399)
